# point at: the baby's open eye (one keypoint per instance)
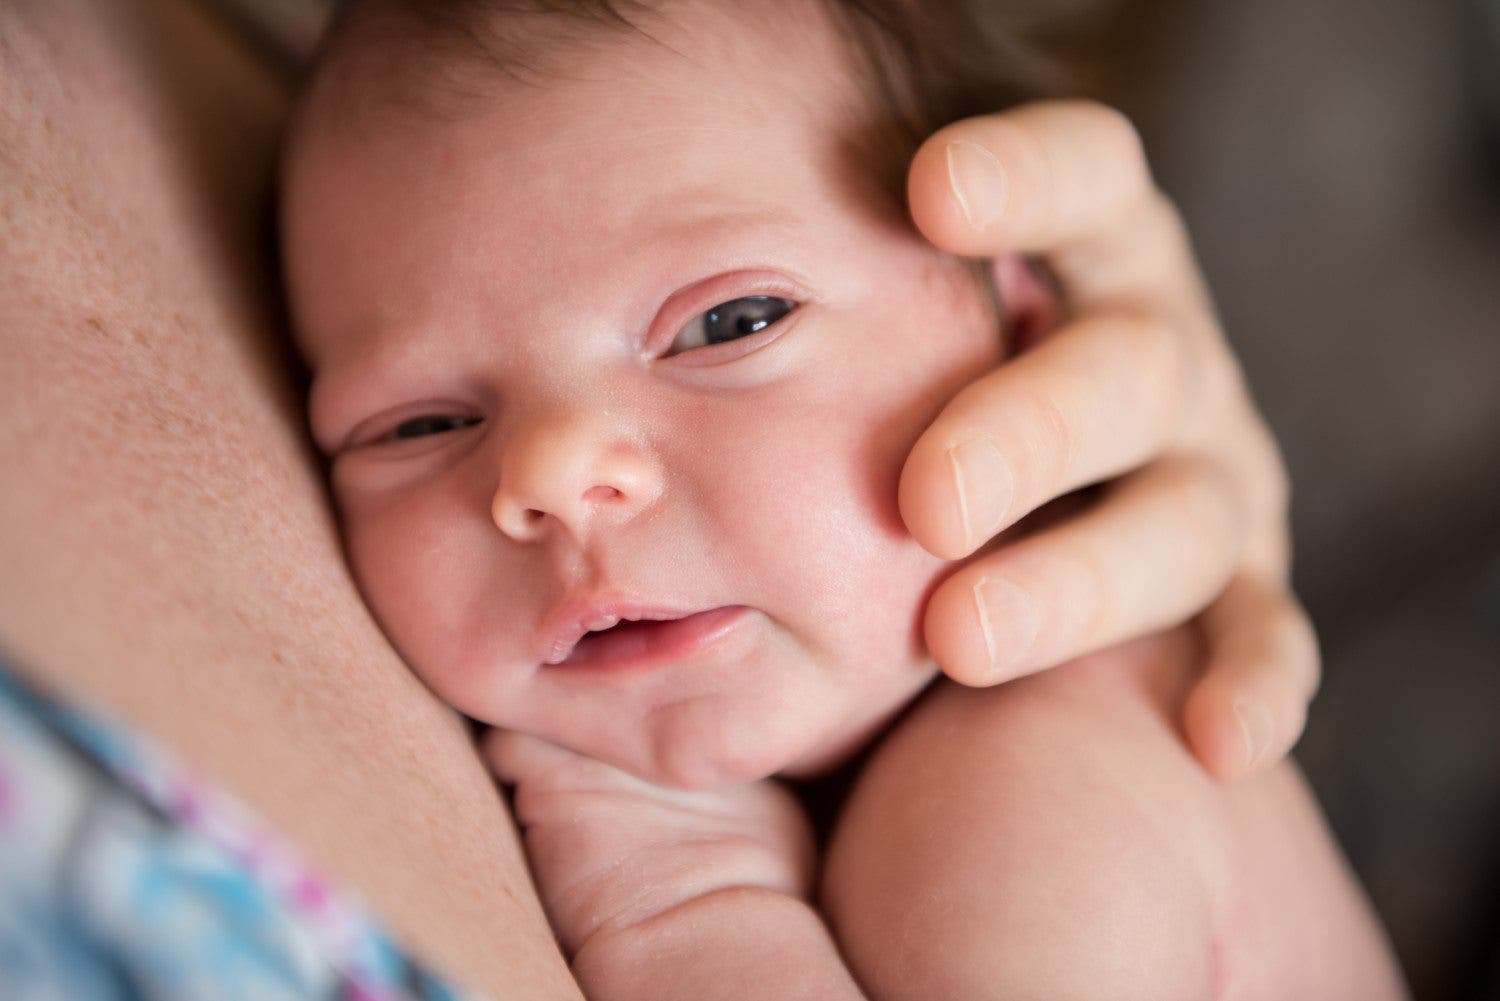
(430, 424)
(730, 321)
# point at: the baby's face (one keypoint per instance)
(634, 342)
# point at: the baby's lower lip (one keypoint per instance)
(647, 644)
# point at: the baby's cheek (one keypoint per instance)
(819, 529)
(391, 579)
(412, 567)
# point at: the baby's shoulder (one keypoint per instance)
(1017, 830)
(1112, 708)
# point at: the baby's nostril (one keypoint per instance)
(602, 493)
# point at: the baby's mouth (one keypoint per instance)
(630, 643)
(619, 637)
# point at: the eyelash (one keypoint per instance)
(780, 293)
(387, 433)
(781, 307)
(691, 305)
(455, 424)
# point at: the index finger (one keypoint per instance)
(1065, 179)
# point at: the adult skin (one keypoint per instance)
(1136, 383)
(168, 553)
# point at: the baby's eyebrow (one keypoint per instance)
(693, 242)
(702, 215)
(348, 388)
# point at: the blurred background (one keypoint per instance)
(1338, 162)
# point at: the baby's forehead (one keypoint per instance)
(437, 59)
(612, 168)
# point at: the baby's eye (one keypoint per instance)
(731, 320)
(430, 424)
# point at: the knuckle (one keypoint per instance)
(1053, 448)
(1285, 644)
(1168, 218)
(1122, 143)
(1267, 550)
(1266, 490)
(1156, 350)
(1112, 139)
(1111, 124)
(1142, 365)
(1208, 522)
(1091, 597)
(1169, 245)
(1300, 647)
(1275, 477)
(1217, 381)
(1037, 173)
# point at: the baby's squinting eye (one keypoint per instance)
(430, 424)
(730, 321)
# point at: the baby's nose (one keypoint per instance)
(572, 470)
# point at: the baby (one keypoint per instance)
(618, 346)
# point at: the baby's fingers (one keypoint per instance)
(1099, 397)
(1250, 706)
(1156, 548)
(518, 759)
(513, 756)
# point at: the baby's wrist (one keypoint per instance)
(724, 942)
(607, 904)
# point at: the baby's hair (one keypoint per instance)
(930, 62)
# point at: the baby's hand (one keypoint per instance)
(1138, 388)
(611, 852)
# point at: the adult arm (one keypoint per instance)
(1135, 387)
(167, 553)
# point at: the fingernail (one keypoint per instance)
(981, 482)
(1256, 727)
(1007, 618)
(978, 181)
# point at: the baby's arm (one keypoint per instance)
(659, 894)
(1052, 838)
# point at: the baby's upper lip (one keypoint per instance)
(579, 615)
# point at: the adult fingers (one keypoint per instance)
(1098, 398)
(1026, 179)
(1157, 547)
(1067, 179)
(1250, 707)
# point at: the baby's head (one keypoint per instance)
(620, 338)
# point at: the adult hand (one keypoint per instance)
(1135, 386)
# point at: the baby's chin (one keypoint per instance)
(688, 757)
(705, 753)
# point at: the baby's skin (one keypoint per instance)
(616, 457)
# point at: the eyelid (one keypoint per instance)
(688, 303)
(378, 428)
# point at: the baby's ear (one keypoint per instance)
(1029, 299)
